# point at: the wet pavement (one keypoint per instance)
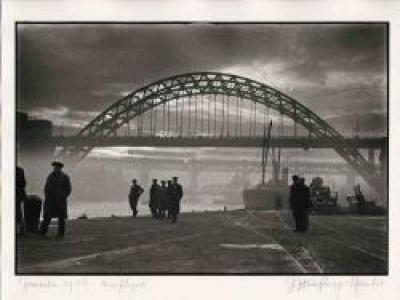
(234, 242)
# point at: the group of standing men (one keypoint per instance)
(164, 199)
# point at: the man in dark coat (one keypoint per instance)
(134, 194)
(170, 198)
(163, 199)
(300, 203)
(20, 195)
(57, 189)
(177, 193)
(153, 203)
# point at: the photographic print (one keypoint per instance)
(201, 148)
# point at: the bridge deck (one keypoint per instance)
(285, 142)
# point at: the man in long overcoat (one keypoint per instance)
(163, 199)
(170, 198)
(177, 194)
(134, 194)
(57, 189)
(300, 203)
(154, 203)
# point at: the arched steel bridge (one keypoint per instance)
(188, 86)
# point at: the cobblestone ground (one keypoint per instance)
(241, 242)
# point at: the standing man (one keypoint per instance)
(300, 203)
(20, 195)
(177, 193)
(170, 198)
(153, 203)
(134, 194)
(163, 199)
(305, 205)
(56, 190)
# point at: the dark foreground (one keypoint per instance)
(240, 242)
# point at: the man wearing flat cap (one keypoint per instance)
(177, 194)
(154, 203)
(134, 194)
(56, 190)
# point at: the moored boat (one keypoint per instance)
(271, 195)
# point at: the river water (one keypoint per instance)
(211, 178)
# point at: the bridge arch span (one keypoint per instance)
(214, 83)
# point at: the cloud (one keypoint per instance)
(85, 68)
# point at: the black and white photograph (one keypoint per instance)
(202, 148)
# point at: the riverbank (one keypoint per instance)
(233, 242)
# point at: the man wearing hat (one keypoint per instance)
(134, 194)
(177, 194)
(154, 203)
(300, 203)
(163, 199)
(56, 190)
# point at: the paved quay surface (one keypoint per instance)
(235, 242)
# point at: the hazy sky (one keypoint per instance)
(70, 73)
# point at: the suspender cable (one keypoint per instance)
(208, 116)
(237, 117)
(169, 113)
(250, 121)
(189, 110)
(295, 120)
(195, 113)
(163, 118)
(240, 117)
(265, 116)
(183, 104)
(137, 125)
(155, 119)
(151, 116)
(176, 115)
(127, 123)
(255, 119)
(227, 115)
(223, 115)
(202, 113)
(140, 120)
(215, 114)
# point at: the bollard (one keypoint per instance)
(32, 210)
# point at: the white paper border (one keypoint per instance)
(192, 287)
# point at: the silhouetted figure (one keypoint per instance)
(170, 196)
(153, 203)
(300, 203)
(163, 199)
(20, 195)
(177, 193)
(57, 189)
(359, 195)
(134, 194)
